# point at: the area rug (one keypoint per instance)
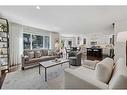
(30, 78)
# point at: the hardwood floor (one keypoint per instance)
(3, 75)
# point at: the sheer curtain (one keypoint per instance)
(15, 43)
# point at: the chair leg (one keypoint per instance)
(23, 68)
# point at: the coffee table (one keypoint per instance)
(51, 63)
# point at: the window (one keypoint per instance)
(37, 41)
(26, 41)
(46, 44)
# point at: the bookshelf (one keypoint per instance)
(4, 44)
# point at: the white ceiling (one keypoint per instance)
(71, 20)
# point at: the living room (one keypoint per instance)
(63, 47)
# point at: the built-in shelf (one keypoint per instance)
(3, 57)
(4, 54)
(4, 44)
(3, 47)
(4, 67)
(3, 41)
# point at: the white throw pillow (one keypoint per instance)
(31, 55)
(104, 70)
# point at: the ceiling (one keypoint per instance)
(71, 20)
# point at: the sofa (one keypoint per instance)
(32, 58)
(86, 78)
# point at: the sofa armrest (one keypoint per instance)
(75, 81)
(24, 59)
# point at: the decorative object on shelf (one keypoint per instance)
(4, 43)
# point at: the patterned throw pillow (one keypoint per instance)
(31, 55)
(26, 58)
(37, 54)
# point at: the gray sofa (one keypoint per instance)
(32, 58)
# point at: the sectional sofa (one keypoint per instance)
(106, 75)
(32, 58)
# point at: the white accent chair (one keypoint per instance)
(85, 78)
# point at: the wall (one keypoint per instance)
(53, 37)
(100, 38)
(16, 39)
(66, 39)
(120, 47)
(31, 30)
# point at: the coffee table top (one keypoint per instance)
(51, 63)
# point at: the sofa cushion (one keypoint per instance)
(104, 70)
(36, 60)
(26, 58)
(44, 52)
(37, 54)
(31, 55)
(119, 77)
(90, 64)
(85, 72)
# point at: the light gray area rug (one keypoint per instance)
(30, 78)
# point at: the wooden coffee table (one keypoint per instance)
(51, 63)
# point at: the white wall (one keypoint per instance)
(31, 30)
(102, 39)
(53, 37)
(66, 39)
(120, 47)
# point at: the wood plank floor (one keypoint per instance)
(3, 75)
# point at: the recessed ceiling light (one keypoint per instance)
(37, 7)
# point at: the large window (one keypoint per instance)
(35, 41)
(26, 41)
(46, 44)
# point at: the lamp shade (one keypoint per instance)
(122, 36)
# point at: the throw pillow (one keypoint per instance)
(26, 58)
(104, 70)
(31, 55)
(45, 52)
(37, 54)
